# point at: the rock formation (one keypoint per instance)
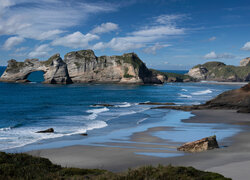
(204, 144)
(84, 67)
(218, 71)
(50, 130)
(245, 62)
(55, 70)
(238, 99)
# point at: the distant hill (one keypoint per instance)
(218, 71)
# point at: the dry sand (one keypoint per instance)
(232, 161)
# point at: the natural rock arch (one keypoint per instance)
(55, 70)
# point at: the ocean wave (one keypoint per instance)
(5, 129)
(125, 104)
(184, 95)
(208, 91)
(95, 112)
(141, 120)
(184, 90)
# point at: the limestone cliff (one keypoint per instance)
(245, 62)
(218, 71)
(55, 70)
(84, 66)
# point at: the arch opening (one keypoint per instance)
(36, 76)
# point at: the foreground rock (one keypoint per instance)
(204, 144)
(50, 130)
(218, 71)
(55, 70)
(238, 99)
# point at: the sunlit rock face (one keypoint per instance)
(55, 70)
(84, 67)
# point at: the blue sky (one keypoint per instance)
(166, 34)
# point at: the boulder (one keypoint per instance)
(204, 144)
(50, 130)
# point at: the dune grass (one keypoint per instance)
(23, 166)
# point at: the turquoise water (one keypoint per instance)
(27, 108)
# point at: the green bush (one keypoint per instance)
(22, 166)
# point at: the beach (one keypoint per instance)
(232, 158)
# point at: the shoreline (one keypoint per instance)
(118, 158)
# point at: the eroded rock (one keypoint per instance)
(55, 70)
(50, 130)
(204, 144)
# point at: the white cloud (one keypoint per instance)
(159, 31)
(12, 41)
(170, 19)
(213, 55)
(154, 48)
(75, 40)
(212, 38)
(104, 28)
(142, 37)
(45, 19)
(40, 51)
(246, 46)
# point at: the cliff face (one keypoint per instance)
(218, 71)
(55, 70)
(84, 67)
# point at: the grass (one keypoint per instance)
(23, 166)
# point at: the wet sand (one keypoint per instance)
(232, 161)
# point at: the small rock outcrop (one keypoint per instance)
(55, 70)
(245, 62)
(238, 99)
(50, 130)
(204, 144)
(218, 71)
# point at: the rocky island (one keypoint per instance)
(84, 67)
(218, 71)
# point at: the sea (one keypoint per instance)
(31, 107)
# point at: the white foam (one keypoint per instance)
(25, 136)
(184, 95)
(5, 129)
(208, 91)
(125, 104)
(184, 90)
(141, 120)
(95, 112)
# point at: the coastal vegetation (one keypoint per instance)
(23, 166)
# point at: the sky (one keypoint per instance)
(166, 34)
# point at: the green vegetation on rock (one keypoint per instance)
(179, 77)
(22, 166)
(219, 70)
(14, 66)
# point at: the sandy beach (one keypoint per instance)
(231, 160)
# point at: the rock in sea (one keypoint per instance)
(204, 144)
(50, 130)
